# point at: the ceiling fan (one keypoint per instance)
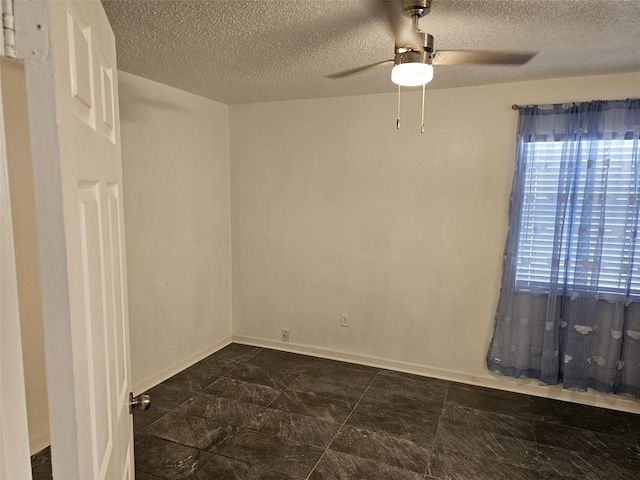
(415, 54)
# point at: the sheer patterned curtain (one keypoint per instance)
(569, 307)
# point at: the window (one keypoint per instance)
(612, 165)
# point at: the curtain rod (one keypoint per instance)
(515, 106)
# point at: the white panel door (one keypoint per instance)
(75, 132)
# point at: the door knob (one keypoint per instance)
(142, 401)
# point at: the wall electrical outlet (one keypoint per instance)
(344, 319)
(285, 335)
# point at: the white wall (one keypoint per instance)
(14, 150)
(14, 98)
(333, 210)
(176, 191)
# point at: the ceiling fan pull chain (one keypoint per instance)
(398, 117)
(422, 125)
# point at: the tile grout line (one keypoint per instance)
(343, 424)
(240, 428)
(282, 393)
(322, 396)
(539, 454)
(535, 437)
(444, 402)
(635, 438)
(191, 397)
(264, 407)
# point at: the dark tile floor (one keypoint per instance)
(248, 413)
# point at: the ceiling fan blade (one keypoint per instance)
(478, 57)
(400, 25)
(352, 71)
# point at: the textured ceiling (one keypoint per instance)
(243, 51)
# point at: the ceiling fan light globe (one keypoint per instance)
(412, 74)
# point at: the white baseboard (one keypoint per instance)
(40, 442)
(159, 377)
(526, 386)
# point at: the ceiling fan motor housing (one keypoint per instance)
(410, 54)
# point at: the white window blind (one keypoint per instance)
(611, 167)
